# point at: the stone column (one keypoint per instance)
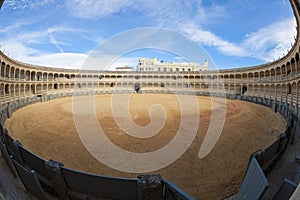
(297, 93)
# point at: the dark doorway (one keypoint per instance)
(244, 89)
(6, 89)
(137, 87)
(289, 89)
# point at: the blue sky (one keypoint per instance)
(234, 33)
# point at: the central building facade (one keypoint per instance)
(156, 65)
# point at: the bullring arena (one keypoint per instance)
(256, 157)
(31, 124)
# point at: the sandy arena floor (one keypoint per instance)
(48, 130)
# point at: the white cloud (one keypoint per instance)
(108, 62)
(11, 28)
(60, 60)
(125, 61)
(53, 40)
(12, 41)
(26, 54)
(208, 38)
(267, 43)
(270, 42)
(25, 4)
(16, 49)
(91, 9)
(165, 12)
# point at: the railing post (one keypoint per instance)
(17, 154)
(150, 187)
(60, 187)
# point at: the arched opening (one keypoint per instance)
(44, 76)
(32, 76)
(17, 73)
(39, 76)
(297, 61)
(33, 89)
(2, 69)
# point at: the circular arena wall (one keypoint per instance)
(275, 84)
(47, 129)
